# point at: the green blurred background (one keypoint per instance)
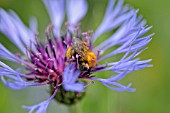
(152, 84)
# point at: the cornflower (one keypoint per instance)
(66, 60)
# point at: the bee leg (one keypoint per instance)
(77, 61)
(87, 66)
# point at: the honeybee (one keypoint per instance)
(80, 52)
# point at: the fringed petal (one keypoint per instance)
(123, 67)
(16, 31)
(33, 24)
(127, 62)
(76, 10)
(111, 82)
(114, 17)
(5, 54)
(56, 10)
(15, 85)
(130, 45)
(114, 85)
(126, 31)
(13, 79)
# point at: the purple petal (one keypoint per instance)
(56, 10)
(114, 17)
(125, 32)
(114, 85)
(78, 87)
(131, 45)
(70, 77)
(76, 10)
(5, 54)
(13, 80)
(18, 33)
(13, 85)
(33, 24)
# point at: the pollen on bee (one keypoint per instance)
(69, 52)
(80, 53)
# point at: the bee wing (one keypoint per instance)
(79, 47)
